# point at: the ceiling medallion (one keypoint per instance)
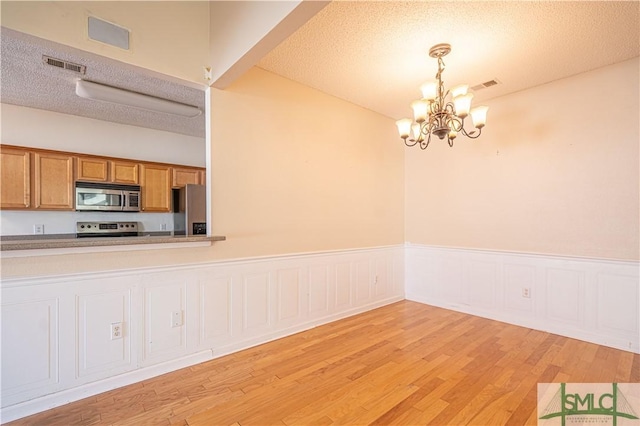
(441, 112)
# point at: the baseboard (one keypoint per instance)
(249, 343)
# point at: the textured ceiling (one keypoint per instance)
(27, 81)
(375, 54)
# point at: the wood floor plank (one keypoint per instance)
(402, 364)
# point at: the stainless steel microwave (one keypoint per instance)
(107, 197)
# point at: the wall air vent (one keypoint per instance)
(486, 84)
(80, 69)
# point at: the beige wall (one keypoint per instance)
(170, 37)
(294, 170)
(555, 172)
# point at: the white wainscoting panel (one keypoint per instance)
(256, 302)
(289, 302)
(29, 346)
(588, 299)
(617, 302)
(343, 285)
(516, 277)
(56, 336)
(164, 303)
(319, 290)
(215, 308)
(97, 351)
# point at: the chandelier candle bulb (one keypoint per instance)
(462, 104)
(416, 131)
(429, 91)
(404, 127)
(460, 90)
(479, 116)
(420, 110)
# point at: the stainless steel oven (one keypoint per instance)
(106, 229)
(107, 197)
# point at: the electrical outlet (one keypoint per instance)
(176, 319)
(163, 227)
(526, 292)
(38, 229)
(116, 330)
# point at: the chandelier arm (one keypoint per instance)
(408, 142)
(449, 108)
(472, 134)
(424, 144)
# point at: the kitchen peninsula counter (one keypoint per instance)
(69, 241)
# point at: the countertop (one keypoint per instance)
(30, 242)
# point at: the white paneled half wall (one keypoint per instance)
(68, 337)
(588, 299)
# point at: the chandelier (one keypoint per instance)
(435, 114)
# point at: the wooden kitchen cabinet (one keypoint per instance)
(53, 181)
(185, 175)
(100, 169)
(156, 187)
(15, 175)
(92, 169)
(41, 179)
(125, 172)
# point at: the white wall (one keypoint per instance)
(20, 222)
(242, 32)
(64, 132)
(170, 37)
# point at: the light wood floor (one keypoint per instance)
(405, 363)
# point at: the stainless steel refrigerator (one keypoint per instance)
(190, 210)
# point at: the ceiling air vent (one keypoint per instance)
(80, 69)
(486, 84)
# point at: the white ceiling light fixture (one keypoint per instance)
(437, 113)
(101, 92)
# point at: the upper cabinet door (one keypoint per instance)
(125, 172)
(184, 176)
(53, 181)
(16, 178)
(92, 169)
(156, 188)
